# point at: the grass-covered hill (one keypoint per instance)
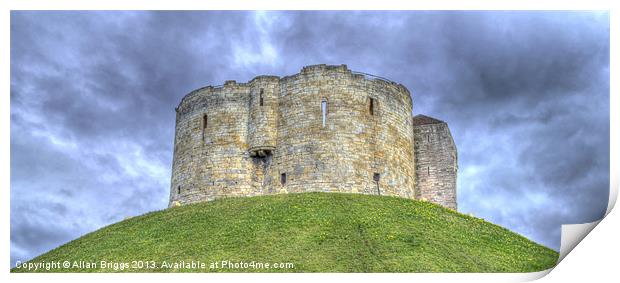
(316, 232)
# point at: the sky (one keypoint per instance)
(526, 96)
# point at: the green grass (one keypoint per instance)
(317, 232)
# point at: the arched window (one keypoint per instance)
(283, 179)
(324, 110)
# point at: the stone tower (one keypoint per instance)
(325, 129)
(436, 161)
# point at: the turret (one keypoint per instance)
(262, 123)
(435, 161)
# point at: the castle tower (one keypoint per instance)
(436, 161)
(324, 129)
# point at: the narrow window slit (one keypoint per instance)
(371, 106)
(324, 111)
(204, 126)
(283, 178)
(260, 99)
(179, 190)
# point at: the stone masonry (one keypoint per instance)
(435, 161)
(325, 129)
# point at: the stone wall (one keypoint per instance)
(211, 159)
(343, 155)
(436, 161)
(324, 129)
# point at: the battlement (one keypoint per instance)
(306, 70)
(323, 67)
(265, 78)
(326, 129)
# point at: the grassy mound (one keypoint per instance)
(315, 232)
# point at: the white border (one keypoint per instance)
(584, 264)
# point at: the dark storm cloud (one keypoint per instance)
(542, 81)
(526, 95)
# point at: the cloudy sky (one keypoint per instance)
(526, 95)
